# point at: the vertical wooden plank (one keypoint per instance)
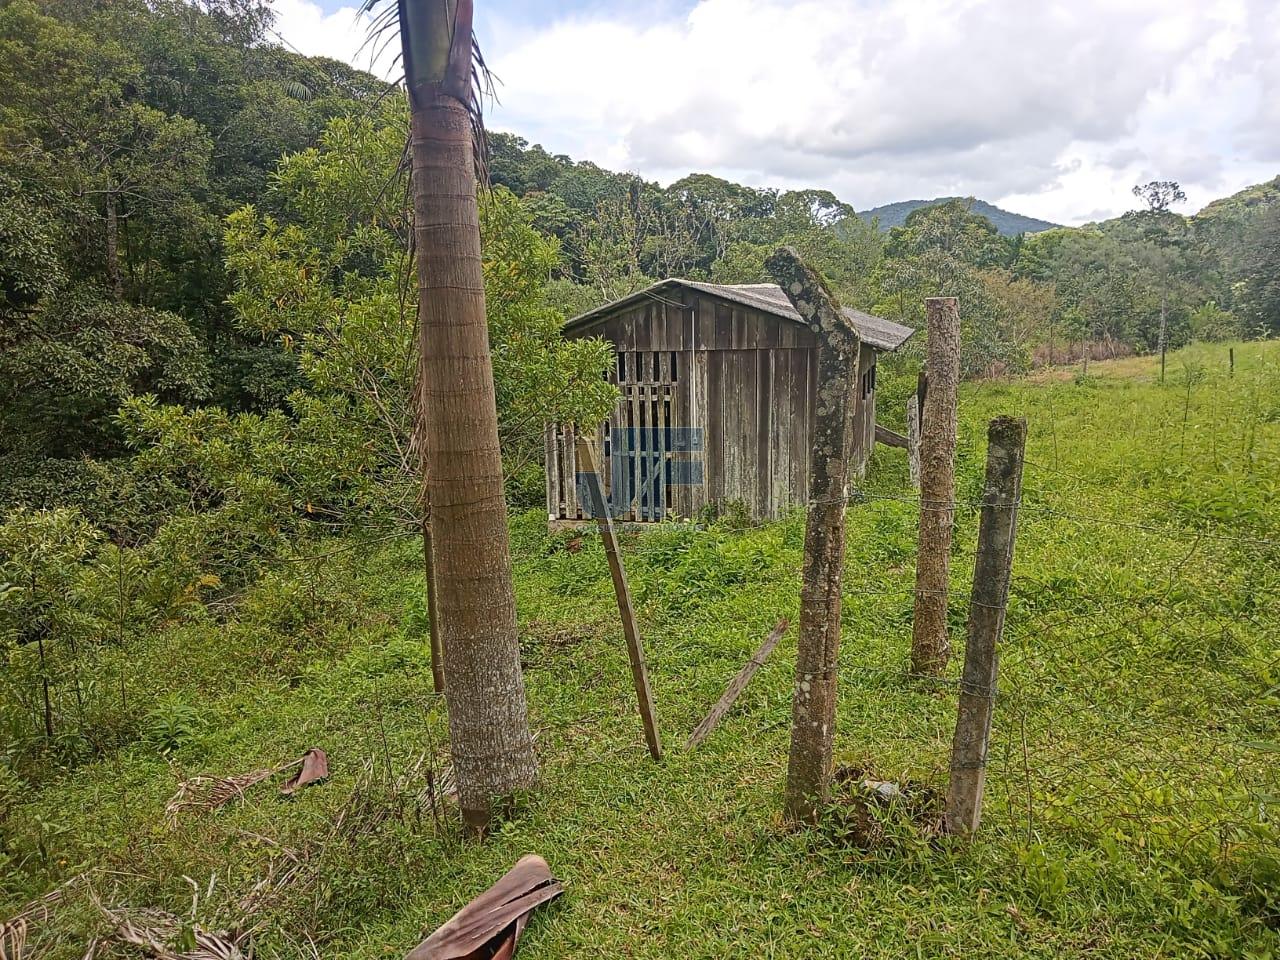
(657, 486)
(626, 510)
(713, 418)
(763, 433)
(913, 440)
(676, 328)
(698, 420)
(871, 404)
(552, 466)
(724, 326)
(630, 629)
(780, 432)
(744, 436)
(571, 506)
(681, 403)
(810, 389)
(731, 414)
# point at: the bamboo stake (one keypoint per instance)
(588, 472)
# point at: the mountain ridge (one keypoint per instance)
(1007, 222)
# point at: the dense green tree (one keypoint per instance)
(1257, 274)
(127, 132)
(328, 277)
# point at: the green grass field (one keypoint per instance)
(1133, 795)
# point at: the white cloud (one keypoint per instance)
(343, 35)
(1052, 108)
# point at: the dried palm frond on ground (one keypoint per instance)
(15, 930)
(292, 872)
(165, 937)
(490, 925)
(202, 793)
(13, 940)
(374, 800)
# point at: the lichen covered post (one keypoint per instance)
(930, 645)
(813, 707)
(1006, 441)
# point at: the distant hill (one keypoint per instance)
(1249, 199)
(1010, 224)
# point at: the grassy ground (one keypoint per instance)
(1131, 807)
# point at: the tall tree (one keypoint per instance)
(1159, 228)
(492, 747)
(1258, 270)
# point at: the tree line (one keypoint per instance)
(1025, 298)
(208, 308)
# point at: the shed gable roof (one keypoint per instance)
(765, 297)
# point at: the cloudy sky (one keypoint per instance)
(1052, 108)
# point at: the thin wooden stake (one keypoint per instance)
(1231, 361)
(433, 625)
(736, 686)
(635, 650)
(1006, 442)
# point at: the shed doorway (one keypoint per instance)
(641, 436)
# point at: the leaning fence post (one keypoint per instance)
(1006, 441)
(930, 646)
(590, 477)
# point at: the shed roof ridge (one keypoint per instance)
(768, 298)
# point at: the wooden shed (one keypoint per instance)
(717, 385)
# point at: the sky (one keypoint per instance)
(1050, 109)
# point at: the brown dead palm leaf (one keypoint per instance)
(489, 927)
(163, 936)
(13, 940)
(201, 793)
(313, 767)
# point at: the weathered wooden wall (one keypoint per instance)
(744, 378)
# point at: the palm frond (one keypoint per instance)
(155, 932)
(464, 75)
(202, 794)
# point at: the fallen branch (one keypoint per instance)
(736, 686)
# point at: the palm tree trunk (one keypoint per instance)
(492, 748)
